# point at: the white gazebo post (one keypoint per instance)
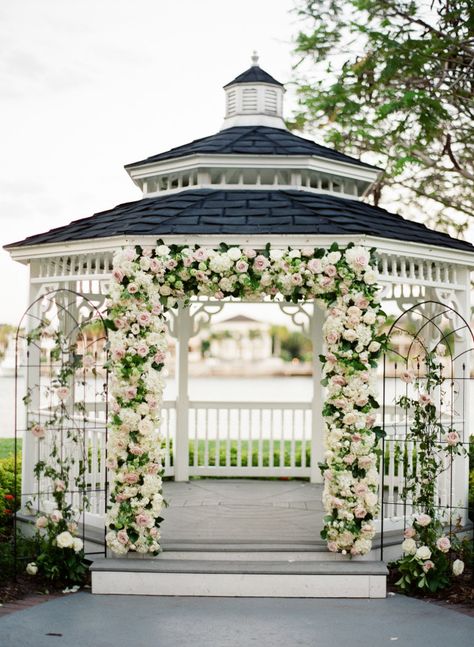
(317, 420)
(30, 444)
(181, 449)
(463, 369)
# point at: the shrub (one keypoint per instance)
(9, 499)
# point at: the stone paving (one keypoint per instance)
(242, 510)
(121, 621)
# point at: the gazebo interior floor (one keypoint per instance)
(242, 511)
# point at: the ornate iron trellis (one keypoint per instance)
(62, 329)
(419, 332)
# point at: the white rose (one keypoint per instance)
(423, 552)
(458, 567)
(294, 253)
(349, 335)
(409, 547)
(77, 545)
(370, 277)
(371, 499)
(234, 253)
(32, 569)
(333, 257)
(162, 250)
(374, 347)
(276, 254)
(65, 540)
(369, 318)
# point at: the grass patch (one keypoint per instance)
(225, 453)
(7, 447)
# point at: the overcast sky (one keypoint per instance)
(88, 86)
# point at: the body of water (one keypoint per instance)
(289, 389)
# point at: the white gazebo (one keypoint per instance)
(251, 183)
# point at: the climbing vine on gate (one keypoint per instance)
(150, 281)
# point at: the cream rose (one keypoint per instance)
(65, 540)
(423, 552)
(409, 547)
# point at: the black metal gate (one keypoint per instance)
(61, 412)
(427, 390)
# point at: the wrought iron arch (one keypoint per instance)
(421, 332)
(61, 337)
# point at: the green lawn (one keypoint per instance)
(249, 453)
(7, 447)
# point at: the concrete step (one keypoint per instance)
(240, 578)
(242, 555)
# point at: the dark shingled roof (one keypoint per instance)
(252, 140)
(208, 211)
(254, 74)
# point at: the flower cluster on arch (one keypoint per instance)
(149, 281)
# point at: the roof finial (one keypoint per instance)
(255, 58)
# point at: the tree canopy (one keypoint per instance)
(396, 78)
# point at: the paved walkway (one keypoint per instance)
(139, 621)
(242, 510)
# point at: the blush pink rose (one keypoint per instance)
(241, 266)
(142, 519)
(136, 450)
(360, 489)
(260, 263)
(144, 318)
(326, 281)
(156, 266)
(38, 431)
(332, 337)
(428, 565)
(118, 354)
(315, 266)
(142, 350)
(360, 512)
(250, 253)
(201, 254)
(122, 536)
(361, 302)
(130, 478)
(130, 392)
(452, 438)
(63, 392)
(443, 544)
(159, 357)
(118, 276)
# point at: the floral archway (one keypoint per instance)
(150, 281)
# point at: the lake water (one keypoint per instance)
(290, 389)
(267, 389)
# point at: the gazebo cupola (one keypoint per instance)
(253, 150)
(254, 98)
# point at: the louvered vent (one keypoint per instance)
(271, 102)
(249, 100)
(231, 103)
